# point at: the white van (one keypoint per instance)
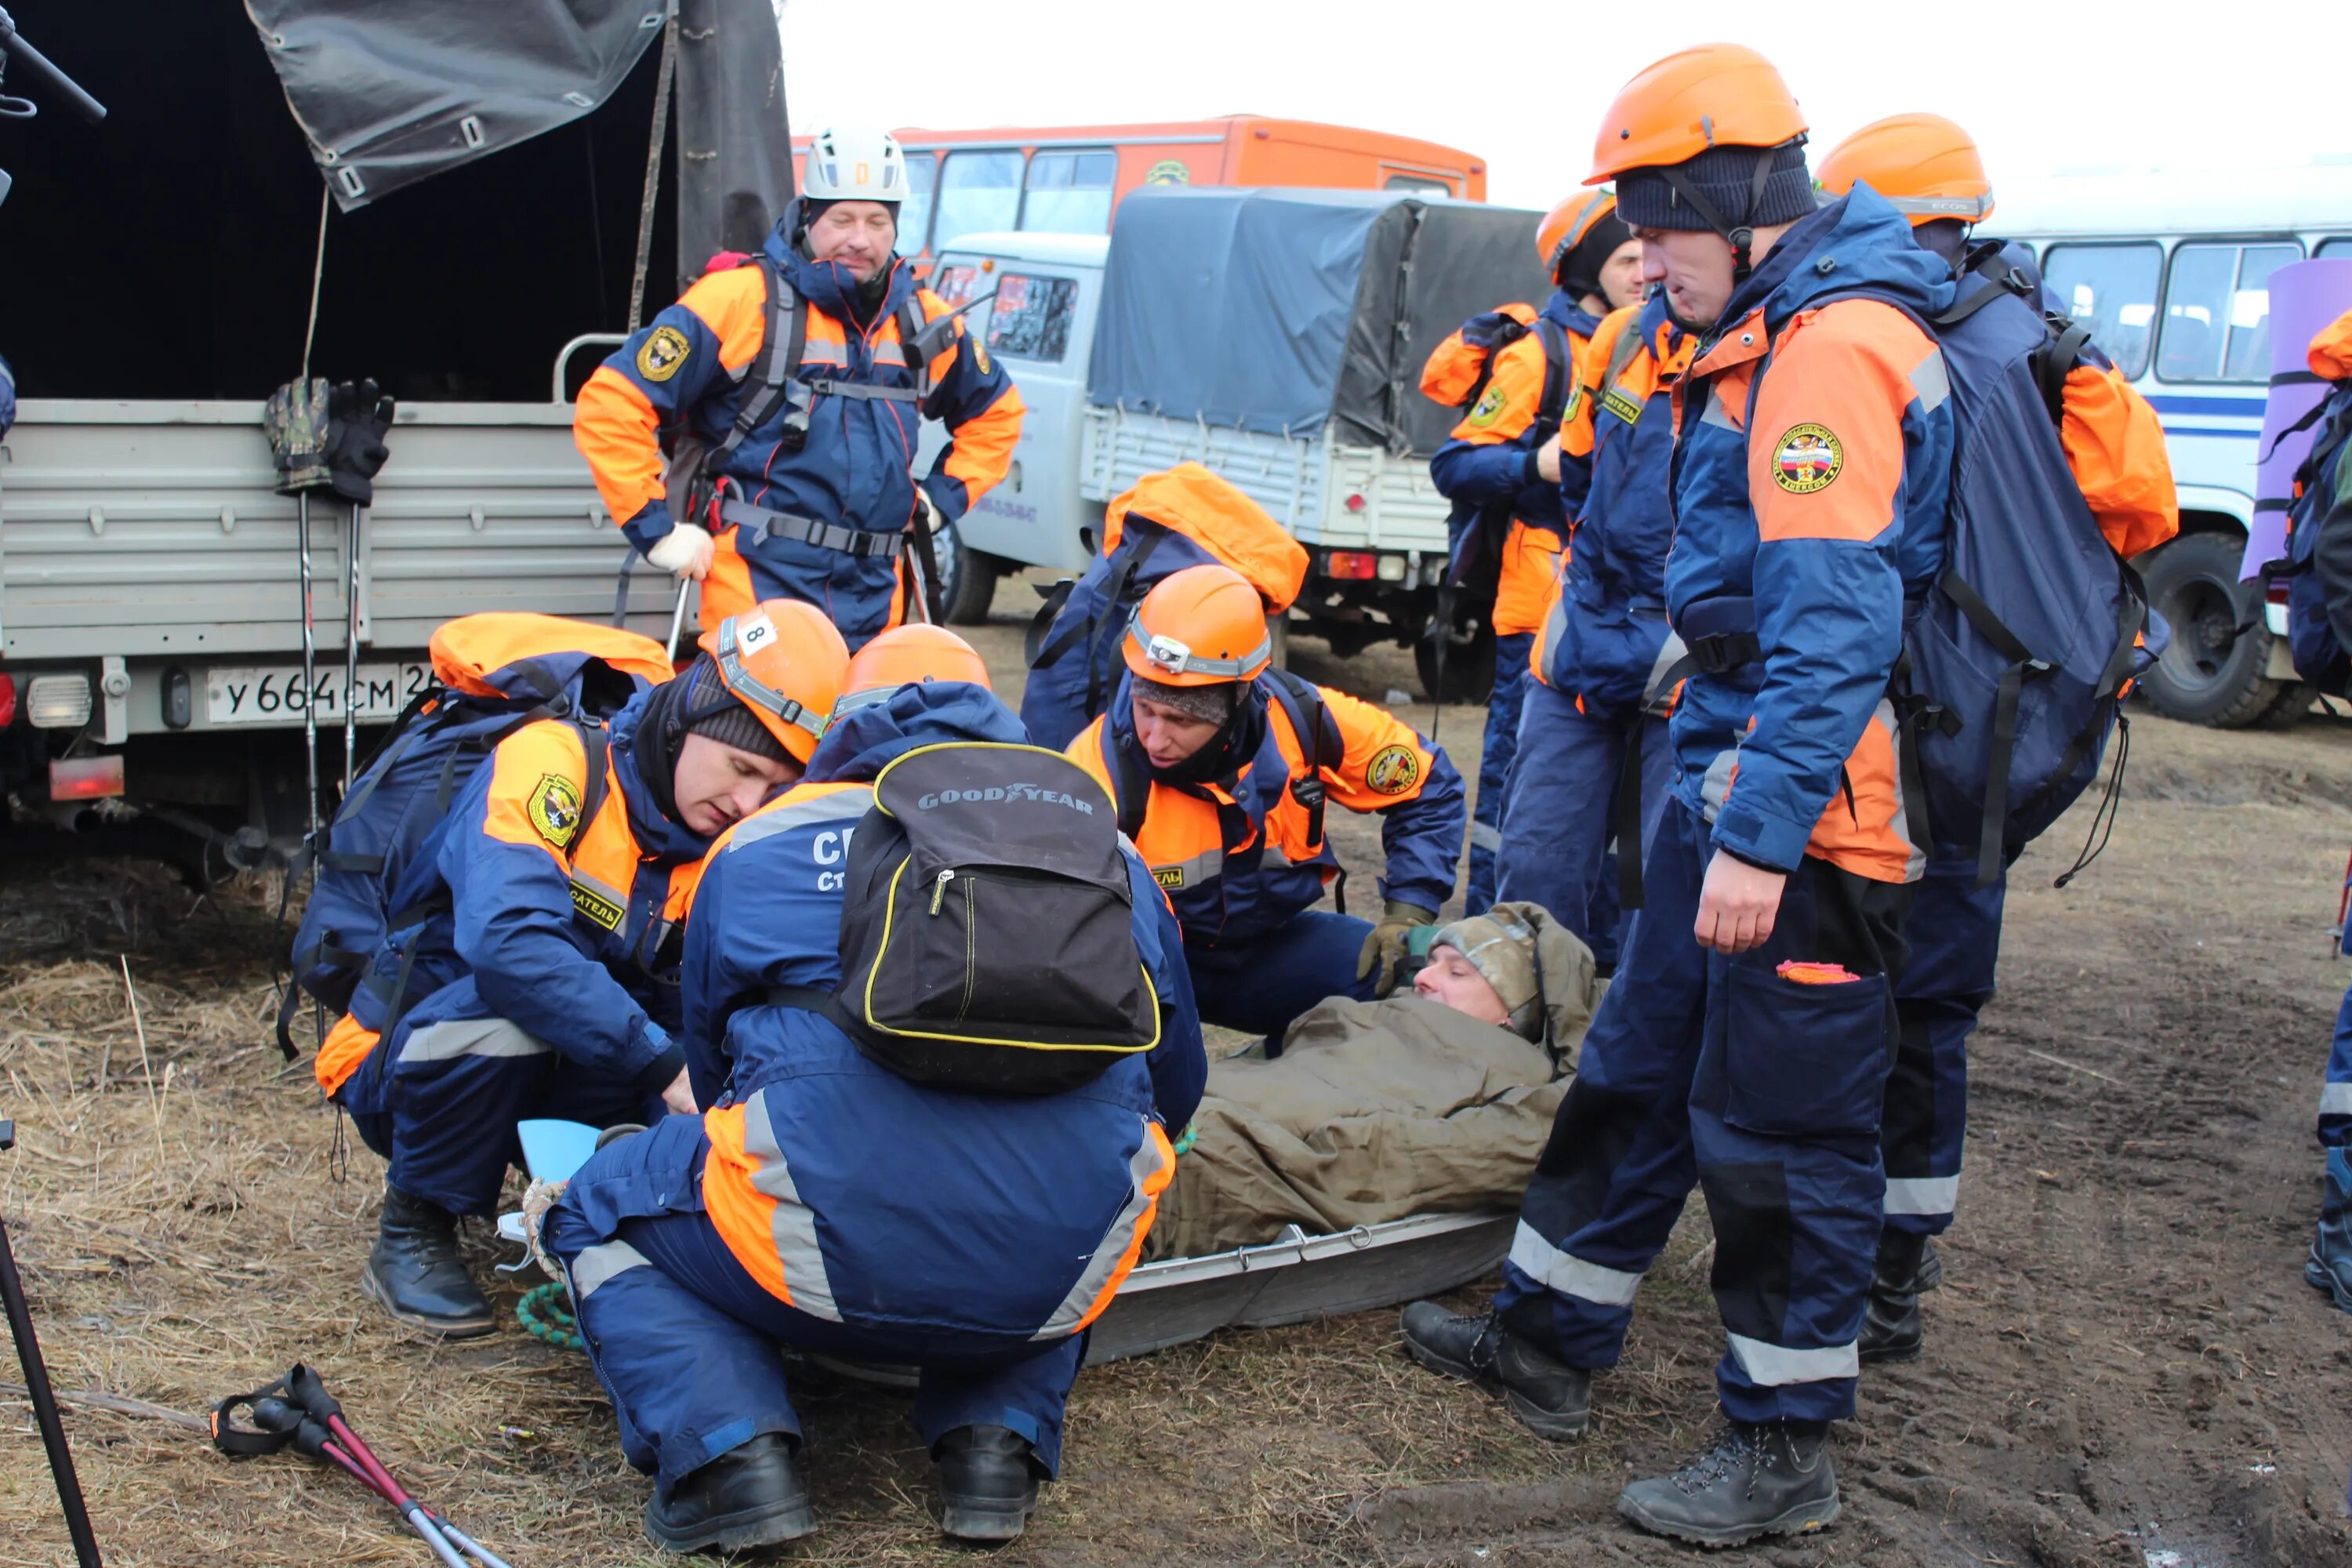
(2172, 273)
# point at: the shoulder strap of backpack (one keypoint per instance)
(1130, 782)
(1558, 365)
(1109, 624)
(920, 338)
(781, 348)
(1318, 744)
(596, 744)
(1622, 351)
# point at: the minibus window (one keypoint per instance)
(2112, 287)
(915, 211)
(2336, 247)
(2217, 312)
(980, 193)
(1069, 193)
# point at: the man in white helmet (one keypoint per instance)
(795, 384)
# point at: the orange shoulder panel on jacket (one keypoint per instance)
(1453, 367)
(538, 776)
(1384, 761)
(1514, 391)
(2114, 446)
(1591, 370)
(734, 305)
(2331, 350)
(1825, 448)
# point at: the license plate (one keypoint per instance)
(274, 694)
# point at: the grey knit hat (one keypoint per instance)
(713, 710)
(1726, 176)
(1211, 704)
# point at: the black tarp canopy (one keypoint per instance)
(1281, 310)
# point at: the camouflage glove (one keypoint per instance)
(357, 418)
(1389, 942)
(295, 419)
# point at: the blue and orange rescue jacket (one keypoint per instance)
(560, 926)
(1236, 852)
(1811, 471)
(689, 367)
(858, 1195)
(1604, 638)
(1489, 460)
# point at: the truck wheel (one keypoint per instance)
(966, 579)
(2293, 702)
(2211, 673)
(1469, 667)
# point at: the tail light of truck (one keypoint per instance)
(7, 700)
(1355, 505)
(86, 778)
(58, 701)
(1352, 566)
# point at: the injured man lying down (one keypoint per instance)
(1436, 1102)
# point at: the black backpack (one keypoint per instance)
(987, 926)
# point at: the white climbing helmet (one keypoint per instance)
(847, 164)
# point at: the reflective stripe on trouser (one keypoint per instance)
(2335, 1093)
(1261, 987)
(456, 1088)
(1954, 934)
(688, 1346)
(1562, 811)
(1502, 744)
(1767, 1091)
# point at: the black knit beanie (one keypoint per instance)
(703, 706)
(1726, 176)
(1580, 269)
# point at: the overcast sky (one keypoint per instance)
(2161, 83)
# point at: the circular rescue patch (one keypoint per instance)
(1489, 408)
(1393, 770)
(660, 356)
(1807, 458)
(555, 809)
(1168, 172)
(980, 355)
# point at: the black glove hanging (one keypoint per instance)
(357, 418)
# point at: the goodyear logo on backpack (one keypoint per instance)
(555, 809)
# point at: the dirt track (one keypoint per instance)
(2124, 1366)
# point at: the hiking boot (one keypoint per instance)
(1891, 1330)
(1550, 1398)
(1931, 1266)
(1756, 1481)
(748, 1495)
(2330, 1266)
(988, 1482)
(414, 1270)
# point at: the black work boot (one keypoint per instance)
(1931, 1266)
(1551, 1398)
(988, 1482)
(1891, 1330)
(1756, 1481)
(415, 1272)
(748, 1495)
(2330, 1267)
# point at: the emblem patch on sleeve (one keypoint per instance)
(554, 810)
(980, 355)
(660, 356)
(1807, 458)
(1393, 770)
(1489, 409)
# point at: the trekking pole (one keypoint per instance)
(678, 614)
(43, 1397)
(351, 646)
(308, 1390)
(310, 657)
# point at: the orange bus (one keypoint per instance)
(1067, 179)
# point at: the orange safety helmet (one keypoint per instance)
(1568, 223)
(1925, 164)
(784, 661)
(909, 656)
(1200, 627)
(1717, 95)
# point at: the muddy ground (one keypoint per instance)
(2124, 1365)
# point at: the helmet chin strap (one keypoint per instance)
(1741, 236)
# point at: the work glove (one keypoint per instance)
(927, 514)
(294, 420)
(685, 551)
(1388, 943)
(357, 418)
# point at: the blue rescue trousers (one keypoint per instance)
(689, 1346)
(1562, 812)
(1502, 744)
(1763, 1091)
(1260, 987)
(1954, 932)
(2335, 1090)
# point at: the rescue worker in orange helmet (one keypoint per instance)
(807, 490)
(543, 943)
(1929, 169)
(1222, 768)
(1513, 486)
(1743, 1043)
(826, 1203)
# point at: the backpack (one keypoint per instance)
(1456, 375)
(1318, 738)
(494, 673)
(987, 926)
(2014, 666)
(2319, 658)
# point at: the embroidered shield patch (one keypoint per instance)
(660, 356)
(554, 810)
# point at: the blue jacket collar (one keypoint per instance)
(867, 739)
(1569, 315)
(828, 286)
(1856, 244)
(658, 834)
